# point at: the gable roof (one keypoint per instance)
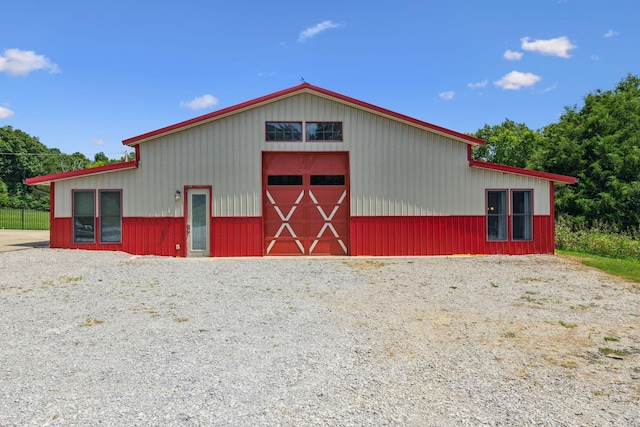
(295, 90)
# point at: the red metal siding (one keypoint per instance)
(440, 235)
(140, 236)
(236, 236)
(377, 236)
(230, 236)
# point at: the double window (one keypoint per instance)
(521, 214)
(313, 180)
(313, 131)
(109, 215)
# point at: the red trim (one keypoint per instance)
(552, 213)
(520, 171)
(303, 88)
(52, 208)
(48, 179)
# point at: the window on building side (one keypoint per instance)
(324, 131)
(284, 180)
(284, 131)
(327, 179)
(497, 215)
(84, 221)
(110, 216)
(521, 215)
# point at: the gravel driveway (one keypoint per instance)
(103, 338)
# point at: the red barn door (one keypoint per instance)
(306, 203)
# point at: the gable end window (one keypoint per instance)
(283, 131)
(84, 221)
(110, 216)
(324, 131)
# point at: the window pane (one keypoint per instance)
(283, 131)
(521, 227)
(198, 222)
(324, 131)
(83, 216)
(284, 180)
(327, 179)
(496, 202)
(83, 203)
(522, 215)
(110, 216)
(497, 215)
(521, 202)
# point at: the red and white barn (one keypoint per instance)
(303, 171)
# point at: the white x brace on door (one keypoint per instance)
(327, 223)
(285, 221)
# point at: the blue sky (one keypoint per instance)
(84, 75)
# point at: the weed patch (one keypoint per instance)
(91, 321)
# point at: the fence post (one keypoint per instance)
(22, 215)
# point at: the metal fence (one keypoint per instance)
(23, 219)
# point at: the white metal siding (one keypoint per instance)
(395, 168)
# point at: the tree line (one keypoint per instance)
(23, 156)
(597, 142)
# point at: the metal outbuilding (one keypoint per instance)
(303, 171)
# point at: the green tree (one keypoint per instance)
(21, 158)
(508, 143)
(599, 144)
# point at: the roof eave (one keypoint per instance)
(562, 179)
(60, 176)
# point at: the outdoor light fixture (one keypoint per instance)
(177, 195)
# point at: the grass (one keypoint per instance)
(567, 325)
(17, 219)
(607, 350)
(624, 268)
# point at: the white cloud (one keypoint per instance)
(447, 96)
(316, 29)
(559, 46)
(21, 62)
(272, 73)
(478, 85)
(200, 102)
(594, 57)
(611, 33)
(516, 80)
(97, 141)
(512, 55)
(5, 113)
(550, 88)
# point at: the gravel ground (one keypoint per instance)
(103, 338)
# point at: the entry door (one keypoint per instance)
(306, 203)
(198, 222)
